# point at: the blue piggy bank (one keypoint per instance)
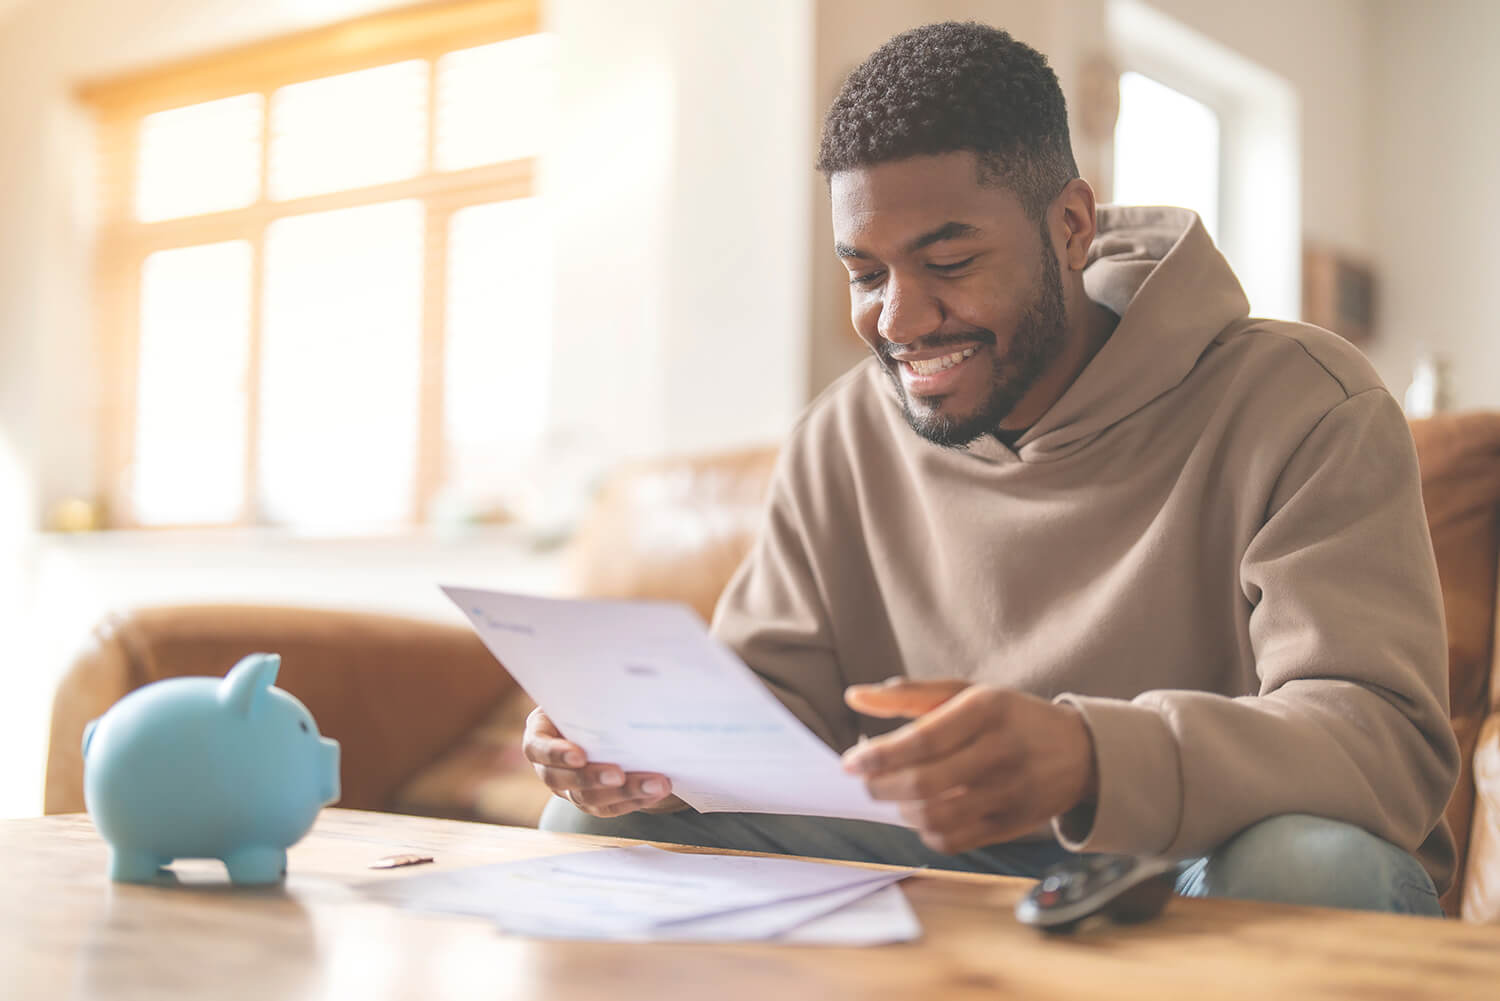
(230, 768)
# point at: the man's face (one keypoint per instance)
(952, 286)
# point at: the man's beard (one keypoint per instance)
(1035, 345)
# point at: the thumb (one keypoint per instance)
(541, 724)
(899, 697)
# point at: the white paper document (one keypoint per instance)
(878, 918)
(642, 893)
(643, 685)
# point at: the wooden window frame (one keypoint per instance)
(120, 104)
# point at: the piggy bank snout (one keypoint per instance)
(328, 756)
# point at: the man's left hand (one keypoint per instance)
(978, 765)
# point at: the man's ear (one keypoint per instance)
(1073, 223)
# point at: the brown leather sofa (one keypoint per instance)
(430, 724)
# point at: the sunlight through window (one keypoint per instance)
(349, 131)
(1166, 150)
(202, 158)
(190, 415)
(340, 367)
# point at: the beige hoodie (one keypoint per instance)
(1213, 545)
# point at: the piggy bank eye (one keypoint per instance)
(303, 725)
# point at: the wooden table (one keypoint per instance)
(67, 932)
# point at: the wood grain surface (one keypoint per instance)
(67, 932)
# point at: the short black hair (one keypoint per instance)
(942, 88)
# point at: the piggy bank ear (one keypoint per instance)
(240, 691)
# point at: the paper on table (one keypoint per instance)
(640, 892)
(868, 914)
(644, 686)
(874, 919)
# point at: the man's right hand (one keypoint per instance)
(598, 789)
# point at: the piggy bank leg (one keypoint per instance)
(127, 866)
(256, 865)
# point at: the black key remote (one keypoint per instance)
(1126, 888)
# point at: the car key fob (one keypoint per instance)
(1124, 887)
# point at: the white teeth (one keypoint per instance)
(932, 365)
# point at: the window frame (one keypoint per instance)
(120, 104)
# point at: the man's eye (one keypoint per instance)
(868, 278)
(954, 266)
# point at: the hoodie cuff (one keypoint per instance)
(1139, 808)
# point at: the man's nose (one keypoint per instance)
(907, 311)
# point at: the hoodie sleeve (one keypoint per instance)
(773, 612)
(1351, 719)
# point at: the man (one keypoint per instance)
(1149, 576)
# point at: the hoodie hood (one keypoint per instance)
(1159, 271)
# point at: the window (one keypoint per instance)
(1166, 149)
(323, 291)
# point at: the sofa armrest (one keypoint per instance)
(99, 676)
(394, 692)
(1460, 459)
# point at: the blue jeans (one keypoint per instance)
(1291, 859)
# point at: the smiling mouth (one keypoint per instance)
(932, 366)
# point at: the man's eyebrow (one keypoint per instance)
(947, 231)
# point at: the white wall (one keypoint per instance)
(680, 179)
(24, 687)
(1433, 201)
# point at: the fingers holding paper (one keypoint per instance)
(977, 765)
(597, 788)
